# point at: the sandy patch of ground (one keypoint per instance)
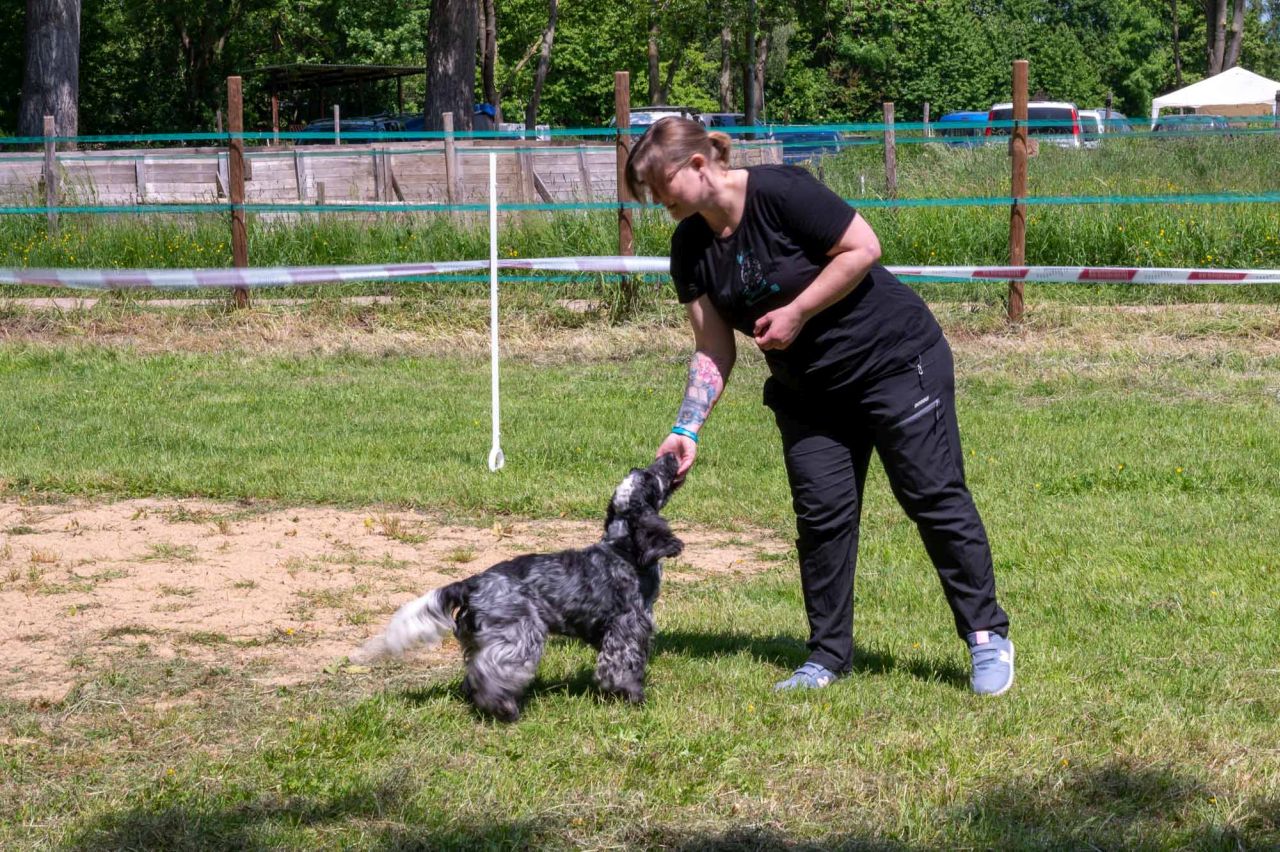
(279, 593)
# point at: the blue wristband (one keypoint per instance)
(686, 433)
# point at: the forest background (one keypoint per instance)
(160, 67)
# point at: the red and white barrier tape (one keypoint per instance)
(256, 277)
(1091, 274)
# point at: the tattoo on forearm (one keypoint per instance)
(706, 381)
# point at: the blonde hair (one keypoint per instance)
(668, 145)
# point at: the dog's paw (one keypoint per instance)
(630, 694)
(502, 711)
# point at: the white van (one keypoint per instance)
(1054, 122)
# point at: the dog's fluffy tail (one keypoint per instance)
(424, 621)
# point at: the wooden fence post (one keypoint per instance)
(626, 234)
(890, 153)
(450, 159)
(388, 176)
(337, 125)
(928, 131)
(525, 171)
(1018, 212)
(584, 173)
(235, 179)
(622, 114)
(51, 174)
(300, 176)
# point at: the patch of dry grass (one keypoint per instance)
(397, 528)
(401, 328)
(460, 328)
(164, 551)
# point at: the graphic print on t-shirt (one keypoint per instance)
(754, 287)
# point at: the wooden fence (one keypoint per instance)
(412, 172)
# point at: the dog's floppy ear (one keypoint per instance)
(653, 538)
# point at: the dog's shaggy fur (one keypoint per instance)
(602, 594)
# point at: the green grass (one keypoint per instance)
(1123, 234)
(1129, 492)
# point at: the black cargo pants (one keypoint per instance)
(909, 419)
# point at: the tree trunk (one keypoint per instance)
(726, 66)
(1177, 46)
(1234, 37)
(673, 64)
(51, 75)
(544, 63)
(757, 78)
(654, 93)
(451, 63)
(1222, 44)
(1215, 12)
(490, 58)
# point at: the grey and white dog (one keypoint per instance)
(602, 594)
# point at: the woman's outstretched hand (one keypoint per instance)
(685, 451)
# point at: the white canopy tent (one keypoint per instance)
(1233, 92)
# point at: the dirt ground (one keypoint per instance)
(276, 593)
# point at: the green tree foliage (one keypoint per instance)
(1262, 38)
(162, 66)
(151, 67)
(12, 34)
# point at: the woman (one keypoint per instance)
(857, 362)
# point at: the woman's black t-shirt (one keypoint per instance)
(790, 222)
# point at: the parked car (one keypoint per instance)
(803, 145)
(1092, 127)
(1110, 121)
(965, 128)
(411, 121)
(1055, 122)
(1179, 125)
(722, 119)
(1095, 124)
(323, 127)
(481, 120)
(643, 117)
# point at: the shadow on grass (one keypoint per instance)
(579, 684)
(788, 652)
(1118, 805)
(783, 652)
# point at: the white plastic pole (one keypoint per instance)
(496, 459)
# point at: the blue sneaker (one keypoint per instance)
(808, 676)
(992, 662)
